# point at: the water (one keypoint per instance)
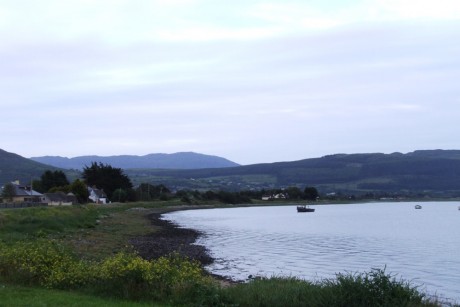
(421, 246)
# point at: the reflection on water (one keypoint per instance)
(419, 245)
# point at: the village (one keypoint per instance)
(24, 196)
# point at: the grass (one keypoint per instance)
(29, 223)
(92, 231)
(11, 295)
(273, 292)
(375, 288)
(110, 234)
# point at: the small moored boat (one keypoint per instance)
(418, 207)
(305, 208)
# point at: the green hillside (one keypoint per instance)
(435, 171)
(15, 167)
(425, 172)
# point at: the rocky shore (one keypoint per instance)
(169, 238)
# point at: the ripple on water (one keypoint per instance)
(419, 245)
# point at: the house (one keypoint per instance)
(23, 194)
(97, 196)
(275, 196)
(60, 199)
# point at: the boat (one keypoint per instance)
(418, 207)
(305, 208)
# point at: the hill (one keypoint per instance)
(424, 171)
(15, 167)
(181, 160)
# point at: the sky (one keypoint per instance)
(251, 81)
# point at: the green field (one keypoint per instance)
(11, 295)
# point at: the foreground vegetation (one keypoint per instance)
(80, 255)
(13, 295)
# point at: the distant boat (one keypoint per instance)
(418, 207)
(305, 208)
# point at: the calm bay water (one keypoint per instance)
(422, 246)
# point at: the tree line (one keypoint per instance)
(119, 188)
(98, 175)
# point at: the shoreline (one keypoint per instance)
(170, 238)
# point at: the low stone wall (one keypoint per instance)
(21, 205)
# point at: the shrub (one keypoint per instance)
(125, 275)
(183, 281)
(128, 276)
(42, 262)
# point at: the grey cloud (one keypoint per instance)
(344, 91)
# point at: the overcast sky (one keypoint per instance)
(252, 81)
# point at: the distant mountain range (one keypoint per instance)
(423, 172)
(180, 160)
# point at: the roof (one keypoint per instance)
(22, 190)
(58, 196)
(97, 192)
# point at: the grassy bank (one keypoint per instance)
(81, 255)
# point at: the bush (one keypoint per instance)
(124, 275)
(42, 262)
(174, 279)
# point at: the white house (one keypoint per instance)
(97, 196)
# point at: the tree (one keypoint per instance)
(209, 195)
(106, 177)
(294, 192)
(120, 195)
(147, 191)
(8, 191)
(80, 190)
(37, 186)
(49, 180)
(311, 193)
(184, 196)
